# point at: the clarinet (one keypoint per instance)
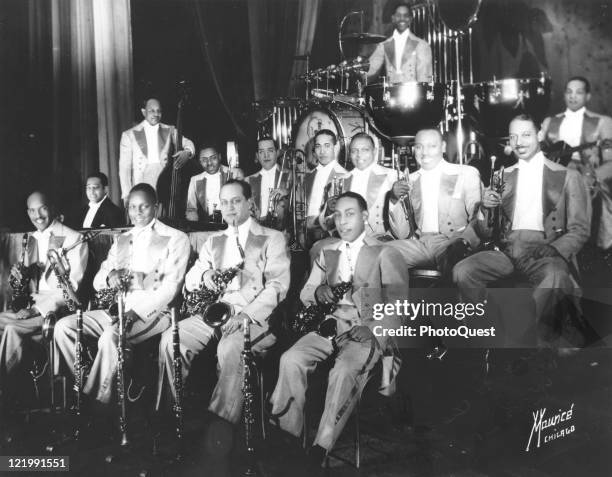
(248, 392)
(121, 371)
(178, 381)
(78, 370)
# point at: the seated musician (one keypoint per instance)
(444, 198)
(260, 284)
(576, 127)
(270, 186)
(370, 268)
(101, 212)
(42, 293)
(317, 182)
(405, 56)
(153, 258)
(203, 193)
(545, 222)
(369, 180)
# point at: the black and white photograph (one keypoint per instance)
(301, 238)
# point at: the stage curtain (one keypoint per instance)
(115, 83)
(273, 28)
(308, 16)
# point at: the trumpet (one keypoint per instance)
(495, 218)
(21, 286)
(405, 201)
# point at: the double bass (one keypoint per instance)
(172, 182)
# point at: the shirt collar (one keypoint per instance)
(242, 229)
(328, 167)
(358, 242)
(435, 170)
(147, 228)
(96, 205)
(45, 233)
(148, 126)
(216, 174)
(366, 170)
(570, 113)
(268, 172)
(535, 162)
(401, 36)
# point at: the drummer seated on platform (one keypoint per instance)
(369, 180)
(152, 257)
(317, 183)
(43, 295)
(405, 56)
(444, 198)
(270, 186)
(374, 277)
(260, 284)
(203, 192)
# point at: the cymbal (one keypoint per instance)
(365, 38)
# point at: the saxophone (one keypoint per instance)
(197, 301)
(61, 267)
(21, 286)
(106, 298)
(312, 317)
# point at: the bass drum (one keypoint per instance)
(343, 119)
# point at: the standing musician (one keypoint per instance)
(317, 183)
(144, 149)
(405, 56)
(203, 192)
(259, 286)
(545, 213)
(34, 270)
(270, 185)
(101, 211)
(444, 198)
(372, 269)
(578, 126)
(153, 257)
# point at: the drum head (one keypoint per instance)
(405, 108)
(342, 119)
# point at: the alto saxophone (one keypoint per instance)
(21, 286)
(312, 317)
(197, 301)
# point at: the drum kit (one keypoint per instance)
(338, 97)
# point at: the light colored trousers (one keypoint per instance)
(97, 324)
(549, 276)
(345, 384)
(195, 335)
(14, 333)
(422, 252)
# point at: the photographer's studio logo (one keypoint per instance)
(547, 429)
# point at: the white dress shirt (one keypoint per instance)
(359, 184)
(318, 187)
(42, 239)
(232, 255)
(349, 251)
(213, 188)
(91, 213)
(151, 134)
(267, 183)
(139, 254)
(528, 206)
(430, 192)
(570, 130)
(400, 43)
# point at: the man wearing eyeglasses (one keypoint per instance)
(545, 220)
